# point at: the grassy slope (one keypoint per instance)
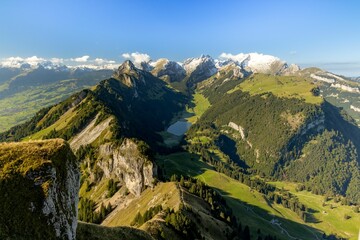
(24, 185)
(253, 210)
(87, 231)
(166, 194)
(281, 86)
(198, 106)
(170, 195)
(95, 193)
(329, 220)
(288, 87)
(58, 125)
(23, 157)
(22, 106)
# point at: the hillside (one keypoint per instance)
(87, 231)
(253, 208)
(263, 124)
(39, 183)
(124, 96)
(251, 131)
(24, 91)
(338, 90)
(173, 196)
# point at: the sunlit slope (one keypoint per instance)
(280, 86)
(254, 210)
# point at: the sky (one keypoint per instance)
(321, 33)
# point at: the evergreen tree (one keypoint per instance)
(246, 233)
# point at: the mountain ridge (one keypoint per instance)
(256, 127)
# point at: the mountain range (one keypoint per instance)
(27, 85)
(240, 147)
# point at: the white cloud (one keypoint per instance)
(137, 58)
(12, 62)
(97, 63)
(126, 55)
(34, 60)
(99, 60)
(57, 60)
(18, 59)
(293, 52)
(16, 62)
(238, 58)
(84, 61)
(81, 59)
(254, 58)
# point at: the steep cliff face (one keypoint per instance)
(168, 70)
(128, 164)
(199, 69)
(39, 184)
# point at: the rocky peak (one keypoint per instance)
(192, 64)
(199, 69)
(290, 70)
(128, 73)
(258, 63)
(126, 67)
(168, 70)
(146, 66)
(236, 70)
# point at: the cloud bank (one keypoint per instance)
(18, 61)
(34, 61)
(137, 58)
(81, 59)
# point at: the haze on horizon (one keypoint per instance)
(322, 33)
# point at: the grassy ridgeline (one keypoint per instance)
(25, 181)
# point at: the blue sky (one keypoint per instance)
(310, 33)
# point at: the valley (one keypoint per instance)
(255, 209)
(25, 92)
(179, 120)
(214, 150)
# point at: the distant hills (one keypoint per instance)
(25, 90)
(26, 86)
(271, 147)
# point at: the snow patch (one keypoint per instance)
(192, 64)
(255, 61)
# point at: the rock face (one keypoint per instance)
(199, 69)
(128, 164)
(126, 68)
(39, 184)
(258, 63)
(90, 133)
(168, 70)
(290, 70)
